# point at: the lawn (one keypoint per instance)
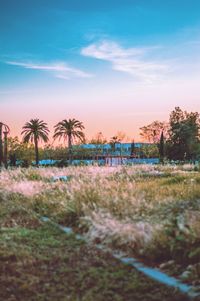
(149, 212)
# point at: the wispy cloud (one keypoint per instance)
(129, 60)
(59, 70)
(8, 92)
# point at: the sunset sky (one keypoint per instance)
(114, 65)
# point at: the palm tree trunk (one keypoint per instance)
(5, 149)
(70, 148)
(36, 151)
(1, 144)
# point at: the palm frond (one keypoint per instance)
(69, 128)
(35, 128)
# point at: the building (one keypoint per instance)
(118, 149)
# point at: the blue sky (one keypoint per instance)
(115, 65)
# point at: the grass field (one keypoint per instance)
(150, 212)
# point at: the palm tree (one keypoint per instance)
(113, 141)
(69, 130)
(33, 131)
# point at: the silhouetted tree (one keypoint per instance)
(98, 139)
(33, 131)
(22, 151)
(151, 132)
(69, 130)
(13, 159)
(113, 141)
(132, 148)
(161, 148)
(183, 142)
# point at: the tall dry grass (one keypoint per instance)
(133, 208)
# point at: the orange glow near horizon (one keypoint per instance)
(123, 108)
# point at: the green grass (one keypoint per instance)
(46, 264)
(147, 211)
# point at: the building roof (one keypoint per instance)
(108, 145)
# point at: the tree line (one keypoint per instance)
(36, 131)
(178, 139)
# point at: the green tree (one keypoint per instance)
(33, 131)
(183, 142)
(24, 152)
(70, 130)
(113, 141)
(133, 148)
(98, 139)
(161, 148)
(151, 132)
(148, 151)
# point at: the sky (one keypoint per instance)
(114, 65)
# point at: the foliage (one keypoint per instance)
(152, 132)
(148, 151)
(148, 211)
(23, 152)
(70, 130)
(181, 135)
(183, 142)
(133, 148)
(98, 139)
(113, 141)
(123, 207)
(178, 240)
(39, 262)
(33, 131)
(161, 148)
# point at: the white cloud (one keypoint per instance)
(59, 70)
(129, 60)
